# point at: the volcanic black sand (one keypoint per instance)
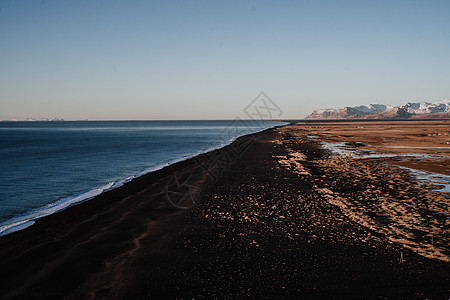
(270, 216)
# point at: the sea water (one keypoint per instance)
(48, 166)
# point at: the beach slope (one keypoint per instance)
(267, 221)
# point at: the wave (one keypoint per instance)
(28, 219)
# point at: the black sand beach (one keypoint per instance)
(263, 225)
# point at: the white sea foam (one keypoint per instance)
(19, 225)
(28, 219)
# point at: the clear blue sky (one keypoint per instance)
(209, 59)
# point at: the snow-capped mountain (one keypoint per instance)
(439, 109)
(426, 107)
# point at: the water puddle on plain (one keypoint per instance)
(342, 148)
(433, 181)
(437, 182)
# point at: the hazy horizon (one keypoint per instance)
(200, 60)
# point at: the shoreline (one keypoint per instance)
(29, 218)
(69, 228)
(272, 225)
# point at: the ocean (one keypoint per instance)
(48, 166)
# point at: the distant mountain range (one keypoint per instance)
(33, 120)
(410, 110)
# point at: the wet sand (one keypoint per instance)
(276, 216)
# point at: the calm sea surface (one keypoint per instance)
(48, 166)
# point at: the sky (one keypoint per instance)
(126, 60)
